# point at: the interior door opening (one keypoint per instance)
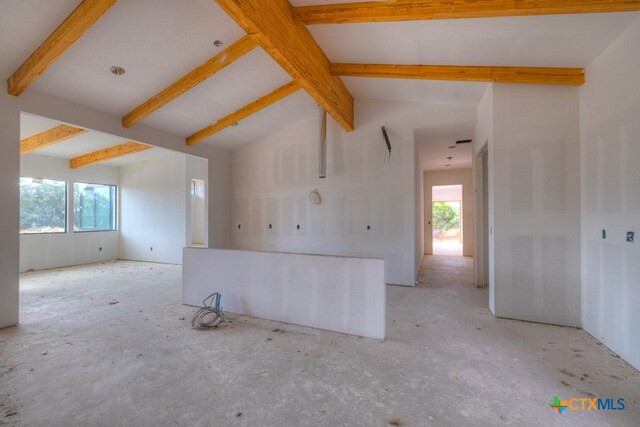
(447, 219)
(198, 212)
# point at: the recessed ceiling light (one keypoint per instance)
(217, 43)
(118, 71)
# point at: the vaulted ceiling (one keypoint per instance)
(159, 41)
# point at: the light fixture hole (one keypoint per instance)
(118, 71)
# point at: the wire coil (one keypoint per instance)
(209, 316)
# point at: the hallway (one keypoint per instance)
(446, 271)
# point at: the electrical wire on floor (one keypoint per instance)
(209, 316)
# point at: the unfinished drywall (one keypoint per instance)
(368, 204)
(535, 164)
(482, 135)
(9, 208)
(44, 105)
(153, 214)
(419, 210)
(339, 294)
(451, 177)
(610, 174)
(40, 251)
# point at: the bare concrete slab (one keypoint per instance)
(120, 351)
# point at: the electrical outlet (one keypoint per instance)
(630, 236)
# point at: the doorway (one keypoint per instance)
(198, 213)
(447, 219)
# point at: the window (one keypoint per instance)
(94, 207)
(43, 206)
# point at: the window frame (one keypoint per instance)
(66, 208)
(115, 208)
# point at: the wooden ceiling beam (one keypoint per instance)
(49, 137)
(190, 80)
(412, 10)
(76, 24)
(530, 75)
(244, 112)
(107, 154)
(291, 45)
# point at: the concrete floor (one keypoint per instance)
(446, 362)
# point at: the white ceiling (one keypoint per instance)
(434, 146)
(158, 41)
(86, 143)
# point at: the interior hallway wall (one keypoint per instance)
(462, 177)
(482, 136)
(44, 105)
(610, 173)
(41, 251)
(272, 179)
(535, 163)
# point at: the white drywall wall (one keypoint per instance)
(451, 177)
(272, 179)
(536, 203)
(154, 203)
(419, 210)
(9, 208)
(482, 136)
(334, 293)
(41, 251)
(44, 105)
(610, 173)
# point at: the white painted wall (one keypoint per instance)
(462, 177)
(536, 203)
(610, 173)
(339, 294)
(272, 178)
(41, 251)
(154, 204)
(48, 106)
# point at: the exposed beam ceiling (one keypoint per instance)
(76, 24)
(190, 80)
(295, 50)
(531, 75)
(244, 112)
(107, 153)
(412, 10)
(49, 137)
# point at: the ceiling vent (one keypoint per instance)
(464, 141)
